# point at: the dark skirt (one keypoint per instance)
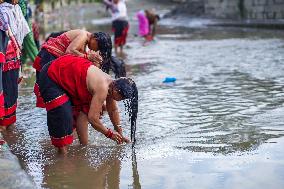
(9, 82)
(120, 29)
(59, 110)
(10, 89)
(118, 67)
(41, 60)
(3, 45)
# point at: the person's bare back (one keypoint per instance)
(79, 40)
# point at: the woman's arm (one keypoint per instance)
(113, 113)
(76, 45)
(94, 116)
(14, 42)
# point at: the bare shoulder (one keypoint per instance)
(97, 80)
(75, 33)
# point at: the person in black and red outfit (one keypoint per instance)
(74, 91)
(13, 29)
(73, 42)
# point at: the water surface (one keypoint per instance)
(220, 125)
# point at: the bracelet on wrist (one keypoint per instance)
(109, 133)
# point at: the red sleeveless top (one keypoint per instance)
(70, 73)
(57, 46)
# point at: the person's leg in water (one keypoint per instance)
(82, 128)
(120, 28)
(115, 48)
(121, 49)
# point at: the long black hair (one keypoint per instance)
(105, 48)
(118, 67)
(128, 90)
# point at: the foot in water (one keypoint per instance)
(146, 43)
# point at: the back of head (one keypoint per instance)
(158, 17)
(128, 90)
(105, 48)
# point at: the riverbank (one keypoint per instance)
(173, 15)
(196, 11)
(12, 176)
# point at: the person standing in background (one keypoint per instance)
(120, 24)
(30, 49)
(14, 29)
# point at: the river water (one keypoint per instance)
(220, 125)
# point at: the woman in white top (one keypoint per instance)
(120, 23)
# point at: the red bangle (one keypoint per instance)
(109, 133)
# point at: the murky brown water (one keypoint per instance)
(220, 125)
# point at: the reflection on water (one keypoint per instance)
(220, 123)
(105, 173)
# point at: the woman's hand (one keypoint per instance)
(119, 130)
(125, 139)
(95, 57)
(117, 137)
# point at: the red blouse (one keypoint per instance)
(70, 73)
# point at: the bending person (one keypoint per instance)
(74, 79)
(148, 21)
(74, 42)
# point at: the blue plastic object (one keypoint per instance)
(169, 80)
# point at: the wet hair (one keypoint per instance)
(118, 67)
(158, 17)
(105, 48)
(128, 90)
